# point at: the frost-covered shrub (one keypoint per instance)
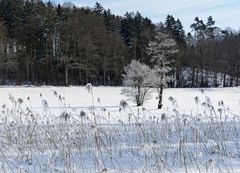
(160, 49)
(137, 82)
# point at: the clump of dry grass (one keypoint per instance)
(85, 141)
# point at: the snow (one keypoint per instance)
(110, 97)
(199, 130)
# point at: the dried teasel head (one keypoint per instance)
(196, 99)
(89, 87)
(221, 103)
(104, 170)
(11, 98)
(163, 116)
(171, 99)
(82, 114)
(64, 115)
(20, 101)
(55, 93)
(45, 103)
(123, 104)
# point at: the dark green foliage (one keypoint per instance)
(98, 9)
(136, 32)
(60, 45)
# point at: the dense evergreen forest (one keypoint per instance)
(42, 43)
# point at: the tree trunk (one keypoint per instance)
(224, 80)
(196, 85)
(27, 76)
(104, 72)
(104, 77)
(193, 77)
(79, 76)
(215, 79)
(231, 81)
(160, 95)
(139, 100)
(202, 78)
(178, 77)
(206, 83)
(134, 49)
(66, 75)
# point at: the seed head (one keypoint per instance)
(123, 104)
(89, 87)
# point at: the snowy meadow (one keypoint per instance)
(74, 129)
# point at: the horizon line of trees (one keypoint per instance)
(41, 43)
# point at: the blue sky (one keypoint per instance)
(225, 12)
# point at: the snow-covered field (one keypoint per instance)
(110, 97)
(66, 129)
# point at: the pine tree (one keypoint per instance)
(98, 8)
(199, 29)
(109, 21)
(170, 24)
(126, 29)
(179, 34)
(136, 32)
(210, 28)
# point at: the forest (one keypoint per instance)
(52, 44)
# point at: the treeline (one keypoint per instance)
(42, 43)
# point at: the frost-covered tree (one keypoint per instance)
(160, 50)
(137, 82)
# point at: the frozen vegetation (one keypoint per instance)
(78, 129)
